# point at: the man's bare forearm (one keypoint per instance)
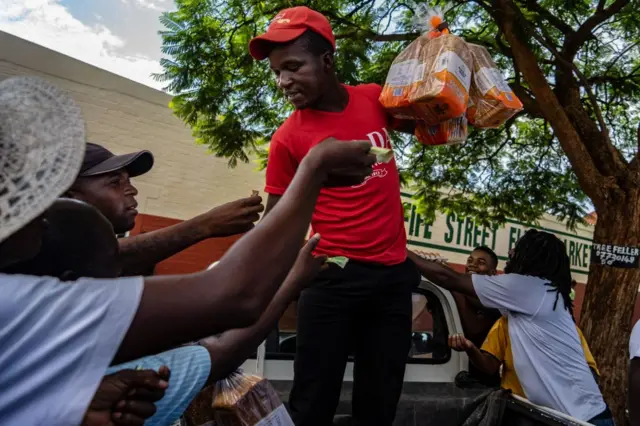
(272, 200)
(443, 276)
(139, 253)
(235, 293)
(483, 361)
(230, 349)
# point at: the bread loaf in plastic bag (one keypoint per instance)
(239, 400)
(492, 102)
(447, 133)
(429, 80)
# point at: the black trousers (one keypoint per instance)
(365, 309)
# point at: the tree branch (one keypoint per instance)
(567, 64)
(506, 141)
(390, 12)
(604, 79)
(601, 5)
(634, 166)
(370, 35)
(582, 163)
(529, 103)
(358, 8)
(562, 26)
(574, 42)
(620, 55)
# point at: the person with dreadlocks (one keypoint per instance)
(534, 295)
(496, 352)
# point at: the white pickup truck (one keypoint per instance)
(430, 396)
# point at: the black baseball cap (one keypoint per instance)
(98, 160)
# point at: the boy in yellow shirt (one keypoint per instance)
(496, 352)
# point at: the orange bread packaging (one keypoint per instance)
(492, 102)
(239, 400)
(429, 80)
(447, 133)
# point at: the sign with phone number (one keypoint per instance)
(615, 256)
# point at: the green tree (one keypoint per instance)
(575, 65)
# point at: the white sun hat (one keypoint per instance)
(42, 141)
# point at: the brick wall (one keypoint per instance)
(195, 258)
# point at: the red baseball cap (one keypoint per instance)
(287, 26)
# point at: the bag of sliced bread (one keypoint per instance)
(430, 79)
(492, 102)
(239, 400)
(447, 133)
(443, 91)
(401, 78)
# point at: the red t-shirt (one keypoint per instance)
(363, 222)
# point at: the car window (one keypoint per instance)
(429, 332)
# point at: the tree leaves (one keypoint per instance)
(232, 104)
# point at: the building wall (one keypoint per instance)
(196, 258)
(125, 116)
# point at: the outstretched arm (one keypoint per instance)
(483, 361)
(272, 200)
(141, 252)
(179, 309)
(230, 349)
(442, 276)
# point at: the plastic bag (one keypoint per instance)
(430, 79)
(448, 133)
(430, 20)
(239, 400)
(492, 102)
(401, 78)
(443, 92)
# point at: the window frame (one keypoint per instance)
(432, 361)
(424, 288)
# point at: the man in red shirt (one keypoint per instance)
(366, 305)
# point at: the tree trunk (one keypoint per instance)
(610, 299)
(611, 292)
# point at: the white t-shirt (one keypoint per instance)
(634, 342)
(56, 341)
(547, 353)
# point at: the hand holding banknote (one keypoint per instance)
(307, 265)
(343, 163)
(233, 218)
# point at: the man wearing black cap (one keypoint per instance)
(104, 182)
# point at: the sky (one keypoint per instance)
(120, 36)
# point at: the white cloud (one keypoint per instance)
(50, 24)
(160, 5)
